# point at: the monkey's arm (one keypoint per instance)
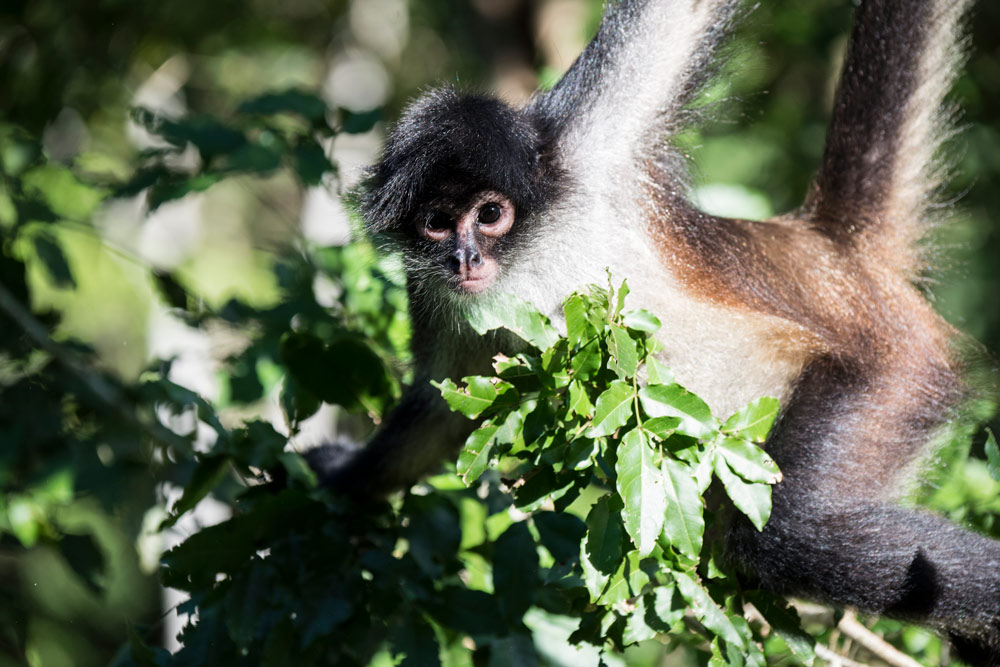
(629, 87)
(880, 167)
(418, 434)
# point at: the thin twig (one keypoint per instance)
(835, 659)
(105, 392)
(853, 628)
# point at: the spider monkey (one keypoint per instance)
(817, 307)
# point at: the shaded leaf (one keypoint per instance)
(85, 557)
(783, 618)
(706, 610)
(476, 454)
(560, 533)
(306, 104)
(207, 475)
(515, 571)
(51, 255)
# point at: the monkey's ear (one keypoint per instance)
(631, 84)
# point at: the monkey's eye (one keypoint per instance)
(439, 222)
(489, 213)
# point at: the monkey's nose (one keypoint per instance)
(464, 257)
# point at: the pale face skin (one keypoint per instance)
(470, 235)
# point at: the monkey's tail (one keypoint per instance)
(881, 171)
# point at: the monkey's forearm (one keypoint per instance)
(417, 436)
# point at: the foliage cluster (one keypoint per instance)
(574, 524)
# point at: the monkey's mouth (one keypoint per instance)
(473, 284)
(473, 281)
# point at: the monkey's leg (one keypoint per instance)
(835, 535)
(418, 434)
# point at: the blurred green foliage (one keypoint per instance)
(93, 430)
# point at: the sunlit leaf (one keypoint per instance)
(683, 524)
(673, 400)
(754, 421)
(613, 410)
(641, 320)
(640, 484)
(754, 500)
(992, 456)
(623, 349)
(476, 454)
(749, 461)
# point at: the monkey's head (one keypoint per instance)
(458, 177)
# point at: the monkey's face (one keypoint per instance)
(464, 240)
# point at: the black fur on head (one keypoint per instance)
(448, 140)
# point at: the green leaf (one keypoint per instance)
(308, 105)
(640, 484)
(586, 362)
(579, 400)
(992, 455)
(467, 611)
(311, 162)
(706, 610)
(479, 394)
(515, 571)
(628, 581)
(51, 255)
(603, 548)
(662, 427)
(514, 650)
(518, 317)
(623, 292)
(754, 500)
(257, 444)
(658, 372)
(476, 454)
(207, 475)
(345, 371)
(62, 192)
(783, 618)
(561, 533)
(754, 421)
(414, 639)
(614, 408)
(353, 122)
(664, 607)
(623, 349)
(673, 400)
(683, 524)
(749, 461)
(85, 557)
(641, 320)
(575, 312)
(636, 628)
